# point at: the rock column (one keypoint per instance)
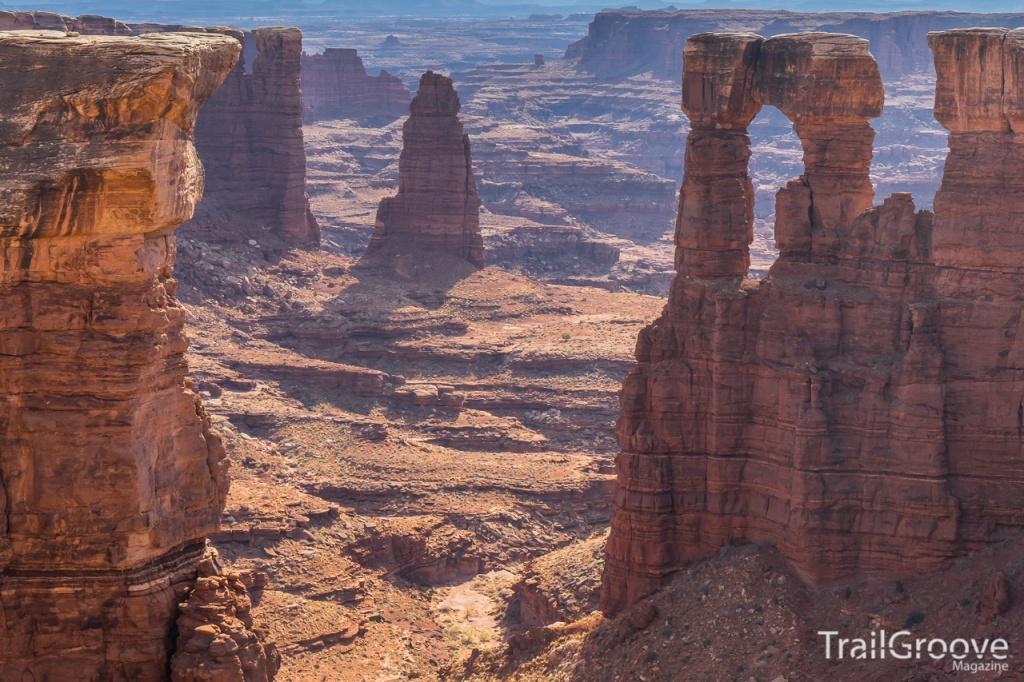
(716, 204)
(250, 138)
(806, 410)
(110, 475)
(437, 208)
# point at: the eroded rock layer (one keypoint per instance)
(110, 476)
(437, 207)
(250, 138)
(861, 407)
(335, 85)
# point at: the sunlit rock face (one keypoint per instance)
(861, 407)
(110, 475)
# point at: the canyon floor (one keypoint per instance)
(403, 444)
(421, 464)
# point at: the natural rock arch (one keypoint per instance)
(829, 87)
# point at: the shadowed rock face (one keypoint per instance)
(250, 138)
(437, 207)
(110, 476)
(860, 408)
(335, 85)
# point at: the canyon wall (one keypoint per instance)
(335, 85)
(110, 475)
(250, 139)
(862, 407)
(622, 43)
(437, 207)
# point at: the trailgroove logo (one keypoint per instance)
(968, 655)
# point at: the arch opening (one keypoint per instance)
(776, 157)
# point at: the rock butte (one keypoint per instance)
(335, 85)
(111, 476)
(862, 408)
(437, 207)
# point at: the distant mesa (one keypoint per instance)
(390, 43)
(538, 60)
(437, 208)
(626, 42)
(335, 85)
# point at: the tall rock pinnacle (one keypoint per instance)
(437, 207)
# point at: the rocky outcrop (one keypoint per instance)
(437, 207)
(110, 475)
(859, 408)
(621, 43)
(216, 636)
(335, 85)
(250, 139)
(979, 209)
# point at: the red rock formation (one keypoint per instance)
(110, 476)
(249, 134)
(250, 139)
(437, 207)
(860, 408)
(335, 85)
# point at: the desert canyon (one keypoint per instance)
(637, 345)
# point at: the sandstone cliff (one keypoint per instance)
(335, 85)
(249, 134)
(861, 407)
(110, 475)
(437, 207)
(250, 139)
(622, 43)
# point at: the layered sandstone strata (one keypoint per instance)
(861, 407)
(437, 207)
(335, 85)
(250, 138)
(110, 476)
